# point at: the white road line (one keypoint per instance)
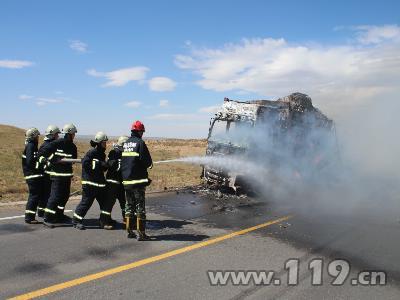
(22, 216)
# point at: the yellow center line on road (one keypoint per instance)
(142, 262)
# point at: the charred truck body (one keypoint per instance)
(285, 135)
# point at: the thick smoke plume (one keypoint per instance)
(354, 169)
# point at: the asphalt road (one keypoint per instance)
(185, 245)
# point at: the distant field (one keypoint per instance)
(164, 176)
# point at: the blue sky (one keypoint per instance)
(102, 65)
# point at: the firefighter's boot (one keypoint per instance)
(130, 227)
(40, 212)
(49, 219)
(141, 228)
(105, 222)
(78, 224)
(30, 217)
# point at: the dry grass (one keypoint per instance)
(164, 176)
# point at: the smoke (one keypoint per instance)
(354, 170)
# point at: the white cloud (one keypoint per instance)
(15, 64)
(164, 103)
(377, 34)
(133, 104)
(210, 109)
(340, 74)
(78, 46)
(161, 84)
(41, 101)
(25, 97)
(44, 101)
(121, 77)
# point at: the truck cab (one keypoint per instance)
(266, 131)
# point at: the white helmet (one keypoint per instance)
(122, 139)
(69, 128)
(32, 133)
(100, 137)
(51, 131)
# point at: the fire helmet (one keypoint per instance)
(137, 126)
(51, 131)
(69, 128)
(32, 133)
(100, 137)
(122, 140)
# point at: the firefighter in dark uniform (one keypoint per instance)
(51, 134)
(115, 188)
(32, 174)
(94, 183)
(61, 174)
(135, 161)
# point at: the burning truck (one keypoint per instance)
(286, 135)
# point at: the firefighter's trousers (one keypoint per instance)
(59, 195)
(115, 191)
(135, 202)
(36, 196)
(89, 194)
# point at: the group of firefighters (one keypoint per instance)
(48, 173)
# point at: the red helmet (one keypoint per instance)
(138, 126)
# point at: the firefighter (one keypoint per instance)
(135, 161)
(51, 134)
(115, 188)
(61, 174)
(32, 174)
(94, 183)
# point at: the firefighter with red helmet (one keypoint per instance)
(135, 161)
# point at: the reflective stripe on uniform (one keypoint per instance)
(60, 150)
(63, 154)
(59, 174)
(60, 207)
(33, 176)
(37, 165)
(119, 165)
(94, 160)
(131, 182)
(30, 212)
(93, 183)
(78, 216)
(41, 208)
(41, 159)
(23, 156)
(113, 181)
(50, 211)
(51, 156)
(106, 213)
(130, 154)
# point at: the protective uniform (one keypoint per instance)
(115, 188)
(51, 133)
(60, 174)
(135, 161)
(32, 174)
(94, 184)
